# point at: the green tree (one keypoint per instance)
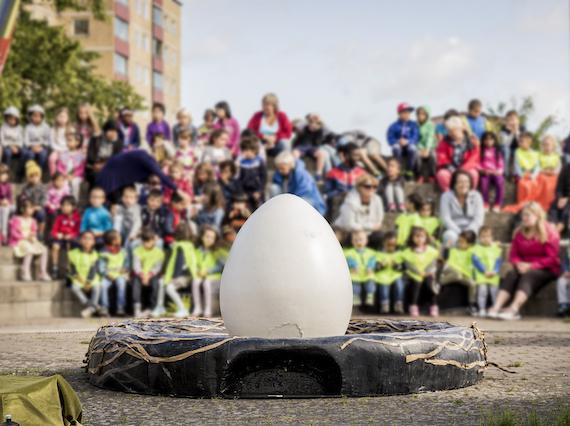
(47, 67)
(525, 108)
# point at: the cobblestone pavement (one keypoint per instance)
(538, 350)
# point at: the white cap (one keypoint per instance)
(36, 108)
(13, 111)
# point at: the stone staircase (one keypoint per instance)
(20, 301)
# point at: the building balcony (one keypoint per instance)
(157, 64)
(122, 11)
(122, 47)
(157, 95)
(158, 32)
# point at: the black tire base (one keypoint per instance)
(196, 358)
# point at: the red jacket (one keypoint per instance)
(285, 129)
(539, 255)
(66, 225)
(444, 155)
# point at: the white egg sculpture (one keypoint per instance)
(286, 275)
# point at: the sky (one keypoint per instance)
(354, 61)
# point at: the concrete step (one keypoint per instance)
(35, 300)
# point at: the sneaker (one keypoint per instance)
(399, 307)
(370, 299)
(496, 209)
(197, 312)
(158, 312)
(434, 311)
(103, 312)
(181, 314)
(414, 311)
(385, 308)
(509, 316)
(138, 313)
(55, 272)
(208, 314)
(26, 278)
(88, 312)
(402, 208)
(492, 314)
(392, 207)
(120, 312)
(45, 278)
(481, 313)
(486, 207)
(563, 309)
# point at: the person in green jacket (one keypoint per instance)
(210, 262)
(426, 145)
(406, 221)
(147, 268)
(83, 274)
(114, 270)
(361, 261)
(420, 266)
(487, 261)
(388, 275)
(181, 268)
(458, 268)
(429, 221)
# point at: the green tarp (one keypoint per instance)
(45, 401)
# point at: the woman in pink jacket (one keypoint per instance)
(535, 259)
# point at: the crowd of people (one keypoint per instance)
(163, 206)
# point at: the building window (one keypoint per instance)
(157, 16)
(123, 2)
(81, 27)
(121, 29)
(157, 82)
(121, 65)
(146, 42)
(156, 48)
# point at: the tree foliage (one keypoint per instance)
(525, 108)
(47, 67)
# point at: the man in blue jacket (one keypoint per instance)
(292, 177)
(403, 136)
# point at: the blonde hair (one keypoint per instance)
(547, 138)
(285, 157)
(540, 230)
(272, 99)
(366, 180)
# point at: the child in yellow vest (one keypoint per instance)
(405, 221)
(420, 265)
(389, 275)
(527, 167)
(147, 268)
(209, 265)
(181, 268)
(114, 270)
(361, 261)
(550, 164)
(429, 221)
(487, 257)
(458, 268)
(83, 274)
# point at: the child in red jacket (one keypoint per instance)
(65, 231)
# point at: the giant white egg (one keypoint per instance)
(286, 275)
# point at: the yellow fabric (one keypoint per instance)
(115, 264)
(388, 262)
(549, 161)
(46, 401)
(419, 263)
(488, 255)
(526, 159)
(149, 259)
(189, 253)
(363, 260)
(430, 224)
(461, 261)
(405, 222)
(84, 263)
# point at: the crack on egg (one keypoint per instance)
(289, 327)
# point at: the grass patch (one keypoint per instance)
(558, 417)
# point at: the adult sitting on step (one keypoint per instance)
(461, 208)
(457, 151)
(536, 262)
(292, 177)
(362, 210)
(559, 211)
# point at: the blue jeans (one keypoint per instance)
(39, 157)
(409, 151)
(369, 287)
(121, 284)
(384, 291)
